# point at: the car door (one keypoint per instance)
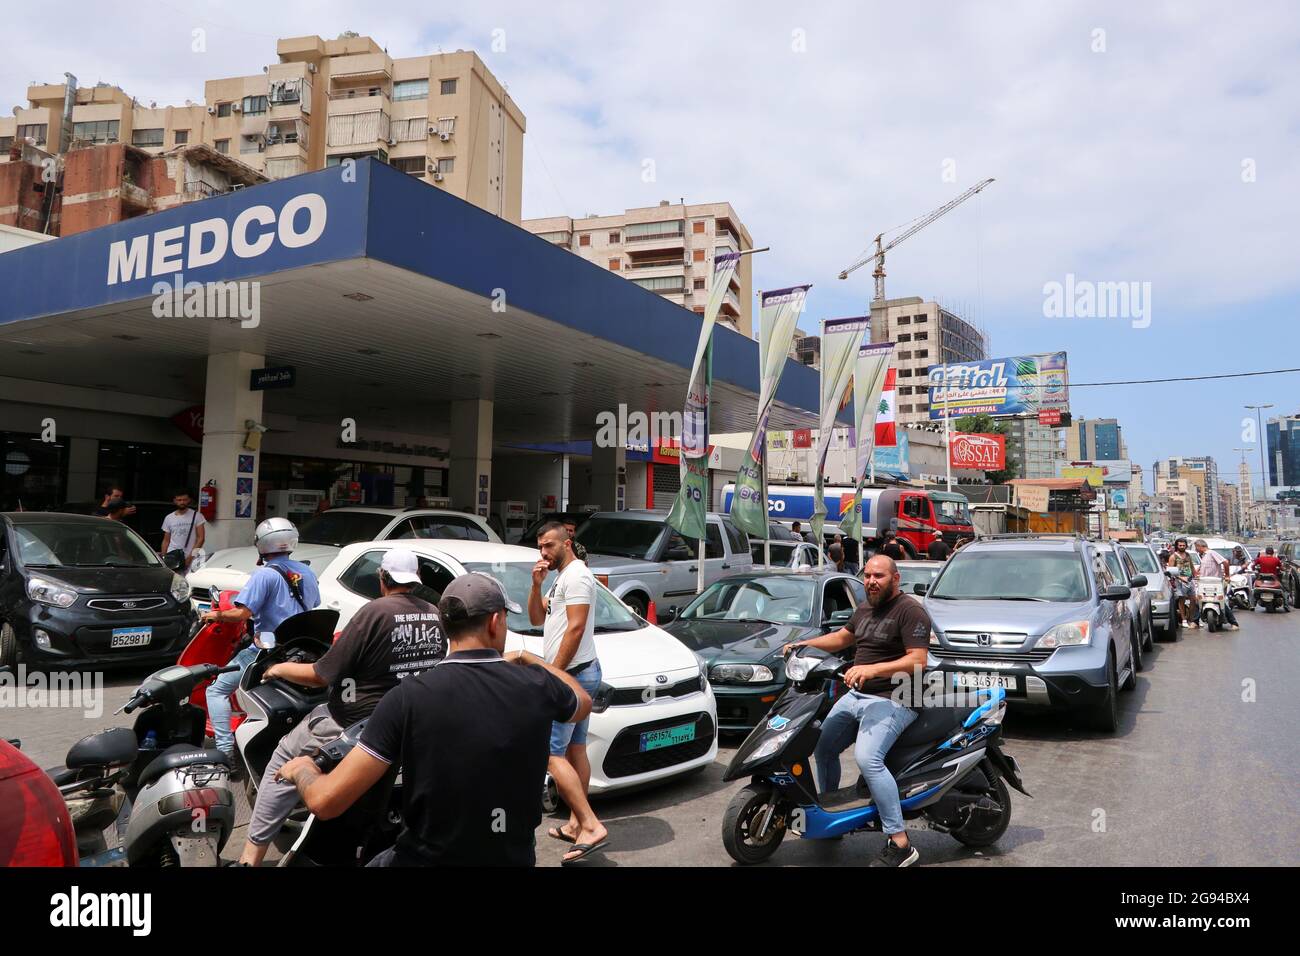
(1141, 602)
(738, 554)
(716, 563)
(677, 556)
(358, 584)
(1114, 613)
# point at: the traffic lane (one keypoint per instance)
(1200, 773)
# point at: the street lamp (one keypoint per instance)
(1263, 469)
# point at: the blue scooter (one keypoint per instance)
(948, 765)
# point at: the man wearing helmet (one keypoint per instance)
(276, 590)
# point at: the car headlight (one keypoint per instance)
(180, 589)
(1063, 635)
(740, 674)
(44, 591)
(603, 697)
(934, 639)
(703, 665)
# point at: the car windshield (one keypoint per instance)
(1012, 576)
(951, 512)
(517, 577)
(1144, 559)
(101, 544)
(916, 575)
(774, 600)
(338, 528)
(624, 538)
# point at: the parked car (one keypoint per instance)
(78, 590)
(146, 521)
(529, 538)
(641, 559)
(35, 823)
(322, 537)
(1162, 618)
(785, 554)
(1290, 557)
(1122, 568)
(1039, 616)
(912, 573)
(651, 681)
(739, 625)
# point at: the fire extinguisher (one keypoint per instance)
(208, 500)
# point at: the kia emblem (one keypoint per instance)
(984, 640)
(128, 604)
(661, 678)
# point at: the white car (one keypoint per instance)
(654, 716)
(321, 537)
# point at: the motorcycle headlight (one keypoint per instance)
(769, 747)
(44, 591)
(1063, 635)
(180, 589)
(740, 674)
(798, 668)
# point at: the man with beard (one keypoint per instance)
(891, 633)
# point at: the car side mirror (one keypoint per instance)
(1138, 582)
(679, 553)
(920, 587)
(668, 614)
(1116, 592)
(174, 560)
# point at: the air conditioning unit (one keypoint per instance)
(392, 142)
(432, 168)
(444, 136)
(236, 108)
(433, 130)
(311, 67)
(212, 111)
(437, 176)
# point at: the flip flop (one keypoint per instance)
(555, 833)
(584, 850)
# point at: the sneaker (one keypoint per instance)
(1184, 624)
(896, 856)
(1232, 627)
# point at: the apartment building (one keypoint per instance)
(443, 118)
(807, 350)
(1036, 447)
(1203, 472)
(924, 334)
(1283, 436)
(1229, 509)
(1095, 439)
(1190, 496)
(667, 249)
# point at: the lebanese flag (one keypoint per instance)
(886, 433)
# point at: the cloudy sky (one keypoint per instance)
(1152, 143)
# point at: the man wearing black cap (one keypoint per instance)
(472, 735)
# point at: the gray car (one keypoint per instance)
(1120, 564)
(641, 559)
(1039, 615)
(1163, 619)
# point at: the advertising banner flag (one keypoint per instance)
(985, 452)
(886, 427)
(868, 382)
(689, 510)
(840, 340)
(780, 311)
(1020, 385)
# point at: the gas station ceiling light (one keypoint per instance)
(358, 296)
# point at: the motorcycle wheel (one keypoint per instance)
(743, 813)
(551, 801)
(1211, 618)
(986, 835)
(8, 646)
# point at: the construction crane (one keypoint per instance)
(879, 255)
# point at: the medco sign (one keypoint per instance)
(985, 452)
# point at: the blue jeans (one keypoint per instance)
(875, 723)
(218, 694)
(565, 735)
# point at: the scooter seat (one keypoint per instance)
(180, 755)
(108, 748)
(931, 724)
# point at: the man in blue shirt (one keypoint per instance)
(277, 590)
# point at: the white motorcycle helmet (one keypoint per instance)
(275, 536)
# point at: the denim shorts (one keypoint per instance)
(563, 735)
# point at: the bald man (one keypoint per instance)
(890, 635)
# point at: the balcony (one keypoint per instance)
(345, 132)
(198, 189)
(666, 239)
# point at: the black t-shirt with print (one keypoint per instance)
(473, 738)
(886, 633)
(387, 640)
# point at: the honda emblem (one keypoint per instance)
(984, 640)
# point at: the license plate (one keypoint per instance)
(669, 737)
(202, 608)
(131, 637)
(1005, 681)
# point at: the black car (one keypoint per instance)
(739, 624)
(146, 520)
(77, 590)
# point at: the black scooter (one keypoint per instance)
(166, 798)
(952, 776)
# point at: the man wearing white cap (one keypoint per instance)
(396, 635)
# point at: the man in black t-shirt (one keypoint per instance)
(472, 736)
(938, 550)
(395, 636)
(891, 548)
(890, 635)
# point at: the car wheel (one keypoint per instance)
(1105, 714)
(1135, 660)
(990, 831)
(1149, 638)
(638, 604)
(8, 646)
(551, 801)
(740, 825)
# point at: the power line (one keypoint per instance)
(1184, 378)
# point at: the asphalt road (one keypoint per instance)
(1196, 775)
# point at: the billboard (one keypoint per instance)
(1111, 471)
(985, 452)
(896, 458)
(1020, 385)
(1093, 475)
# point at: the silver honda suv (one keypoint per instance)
(1040, 616)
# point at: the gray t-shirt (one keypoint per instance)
(574, 585)
(182, 533)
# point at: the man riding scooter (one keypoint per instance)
(891, 634)
(1214, 565)
(394, 636)
(1269, 564)
(278, 589)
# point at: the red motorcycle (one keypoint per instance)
(1269, 593)
(215, 643)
